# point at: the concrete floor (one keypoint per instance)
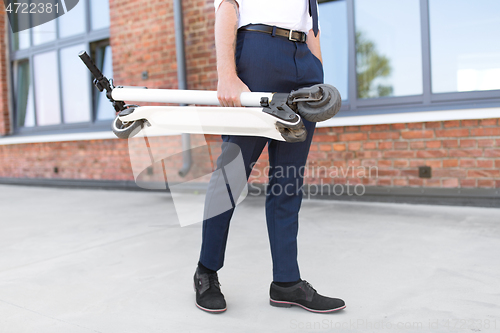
(111, 261)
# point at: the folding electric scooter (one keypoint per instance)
(272, 115)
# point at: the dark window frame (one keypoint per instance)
(427, 101)
(88, 38)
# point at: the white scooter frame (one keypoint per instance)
(272, 115)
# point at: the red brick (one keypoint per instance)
(451, 123)
(353, 137)
(432, 153)
(465, 153)
(351, 128)
(449, 173)
(400, 182)
(486, 143)
(401, 163)
(415, 125)
(409, 173)
(399, 154)
(488, 122)
(354, 146)
(379, 128)
(369, 145)
(436, 124)
(484, 183)
(450, 143)
(432, 182)
(434, 163)
(388, 173)
(470, 123)
(384, 135)
(385, 145)
(450, 163)
(369, 154)
(398, 126)
(339, 147)
(433, 144)
(400, 145)
(467, 163)
(325, 147)
(416, 182)
(492, 153)
(384, 164)
(450, 183)
(452, 133)
(494, 131)
(468, 182)
(417, 144)
(424, 134)
(486, 164)
(483, 173)
(468, 143)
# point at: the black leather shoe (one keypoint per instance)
(208, 295)
(304, 295)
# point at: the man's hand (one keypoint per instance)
(313, 44)
(230, 86)
(229, 90)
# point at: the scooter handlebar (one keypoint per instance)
(90, 65)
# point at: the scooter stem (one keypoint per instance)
(200, 97)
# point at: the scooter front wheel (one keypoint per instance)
(324, 109)
(126, 130)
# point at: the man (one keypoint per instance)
(257, 51)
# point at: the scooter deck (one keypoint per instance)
(248, 121)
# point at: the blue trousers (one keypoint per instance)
(269, 63)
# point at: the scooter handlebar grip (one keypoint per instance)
(90, 65)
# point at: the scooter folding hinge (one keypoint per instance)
(312, 94)
(280, 109)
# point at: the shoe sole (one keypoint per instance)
(205, 309)
(210, 310)
(283, 304)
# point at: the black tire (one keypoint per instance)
(126, 130)
(324, 109)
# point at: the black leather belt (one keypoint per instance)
(292, 35)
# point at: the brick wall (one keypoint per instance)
(461, 153)
(4, 91)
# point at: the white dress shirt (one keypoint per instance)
(288, 14)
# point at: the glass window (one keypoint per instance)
(44, 33)
(388, 48)
(73, 22)
(21, 40)
(48, 109)
(465, 47)
(104, 62)
(24, 93)
(334, 46)
(99, 17)
(75, 89)
(51, 85)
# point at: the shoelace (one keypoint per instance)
(309, 285)
(213, 280)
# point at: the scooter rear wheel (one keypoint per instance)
(126, 130)
(324, 109)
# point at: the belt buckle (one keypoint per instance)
(290, 36)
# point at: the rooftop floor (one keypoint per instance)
(117, 261)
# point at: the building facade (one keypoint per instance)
(419, 79)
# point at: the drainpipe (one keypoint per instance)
(181, 78)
